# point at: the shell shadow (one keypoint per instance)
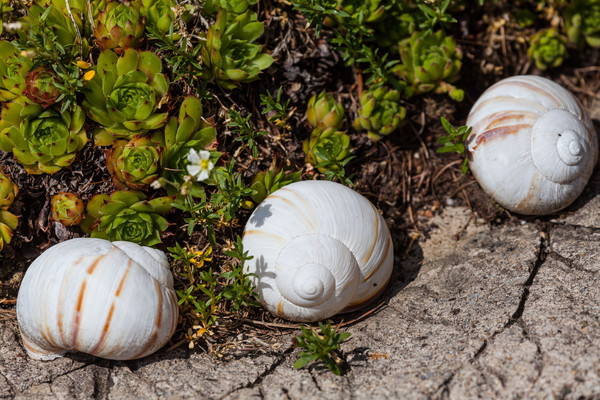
(260, 214)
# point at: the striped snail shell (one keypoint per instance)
(319, 248)
(113, 300)
(533, 147)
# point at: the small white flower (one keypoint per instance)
(200, 164)
(12, 26)
(156, 185)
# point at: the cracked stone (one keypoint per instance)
(503, 312)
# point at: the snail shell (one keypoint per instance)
(110, 299)
(533, 147)
(318, 248)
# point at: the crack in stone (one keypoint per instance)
(314, 379)
(574, 226)
(569, 263)
(12, 388)
(264, 374)
(444, 387)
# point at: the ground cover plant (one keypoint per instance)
(166, 122)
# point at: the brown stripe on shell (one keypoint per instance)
(270, 235)
(495, 100)
(77, 316)
(374, 270)
(536, 88)
(305, 203)
(376, 236)
(157, 323)
(100, 344)
(95, 263)
(503, 118)
(280, 309)
(299, 210)
(498, 133)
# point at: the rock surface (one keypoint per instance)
(473, 312)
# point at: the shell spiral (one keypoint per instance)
(533, 147)
(319, 248)
(113, 300)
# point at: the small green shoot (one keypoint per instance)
(239, 289)
(269, 104)
(334, 168)
(247, 134)
(454, 141)
(320, 347)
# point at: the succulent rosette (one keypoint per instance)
(41, 86)
(430, 62)
(127, 215)
(582, 22)
(160, 15)
(8, 221)
(119, 25)
(380, 112)
(322, 111)
(233, 7)
(228, 55)
(133, 163)
(13, 71)
(181, 135)
(44, 141)
(67, 208)
(331, 138)
(8, 191)
(547, 48)
(266, 182)
(125, 92)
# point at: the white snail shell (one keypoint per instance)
(113, 300)
(533, 147)
(319, 248)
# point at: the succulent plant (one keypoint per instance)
(127, 215)
(188, 131)
(233, 7)
(13, 70)
(430, 62)
(266, 182)
(229, 57)
(133, 163)
(40, 86)
(67, 208)
(8, 191)
(160, 15)
(335, 143)
(124, 94)
(8, 221)
(582, 22)
(322, 111)
(119, 26)
(41, 140)
(380, 112)
(547, 48)
(372, 10)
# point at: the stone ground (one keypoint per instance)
(509, 311)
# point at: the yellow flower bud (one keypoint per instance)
(82, 64)
(89, 75)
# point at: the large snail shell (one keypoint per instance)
(110, 299)
(533, 147)
(319, 248)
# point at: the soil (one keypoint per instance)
(402, 174)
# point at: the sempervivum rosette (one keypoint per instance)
(119, 26)
(133, 164)
(41, 86)
(124, 94)
(41, 140)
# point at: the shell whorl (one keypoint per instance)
(112, 300)
(319, 248)
(533, 147)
